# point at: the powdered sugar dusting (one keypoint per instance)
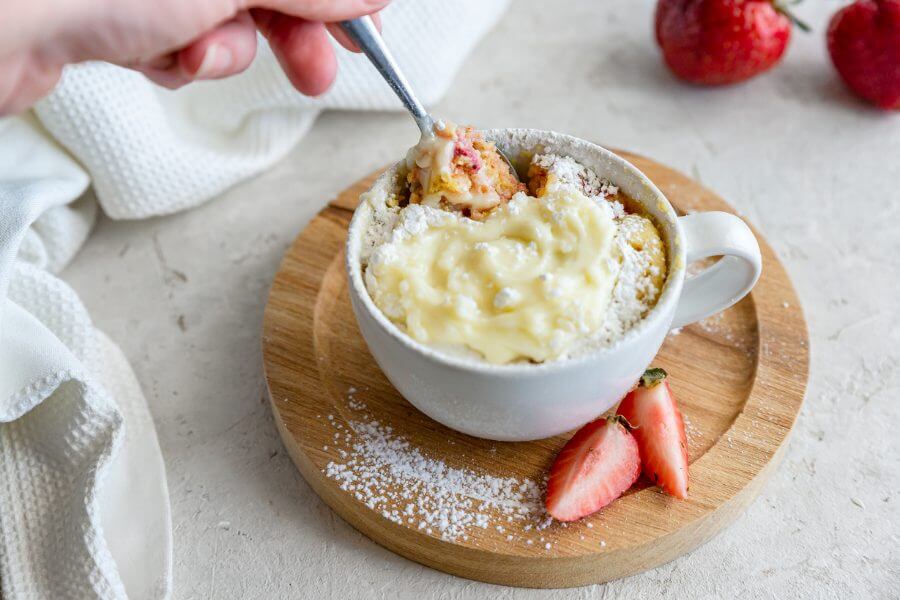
(567, 171)
(635, 292)
(392, 476)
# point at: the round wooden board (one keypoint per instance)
(739, 377)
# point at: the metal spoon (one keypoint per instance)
(365, 35)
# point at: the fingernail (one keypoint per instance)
(216, 62)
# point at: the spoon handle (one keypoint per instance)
(364, 33)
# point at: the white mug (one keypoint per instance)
(518, 402)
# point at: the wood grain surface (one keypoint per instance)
(740, 379)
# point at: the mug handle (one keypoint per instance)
(730, 279)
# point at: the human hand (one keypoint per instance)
(173, 42)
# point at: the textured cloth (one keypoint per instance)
(65, 393)
(83, 503)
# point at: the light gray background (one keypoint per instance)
(817, 172)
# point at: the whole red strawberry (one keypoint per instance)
(717, 42)
(864, 43)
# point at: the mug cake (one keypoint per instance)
(464, 257)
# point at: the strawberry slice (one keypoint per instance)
(659, 431)
(599, 463)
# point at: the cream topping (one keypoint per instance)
(526, 283)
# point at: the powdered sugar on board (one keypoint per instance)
(392, 476)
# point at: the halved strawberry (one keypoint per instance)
(599, 463)
(659, 431)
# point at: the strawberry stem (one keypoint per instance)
(782, 7)
(621, 420)
(652, 377)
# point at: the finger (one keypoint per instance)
(171, 78)
(226, 50)
(324, 11)
(342, 38)
(302, 48)
(162, 62)
(24, 82)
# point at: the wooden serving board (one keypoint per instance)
(739, 377)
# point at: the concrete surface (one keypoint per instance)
(815, 170)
